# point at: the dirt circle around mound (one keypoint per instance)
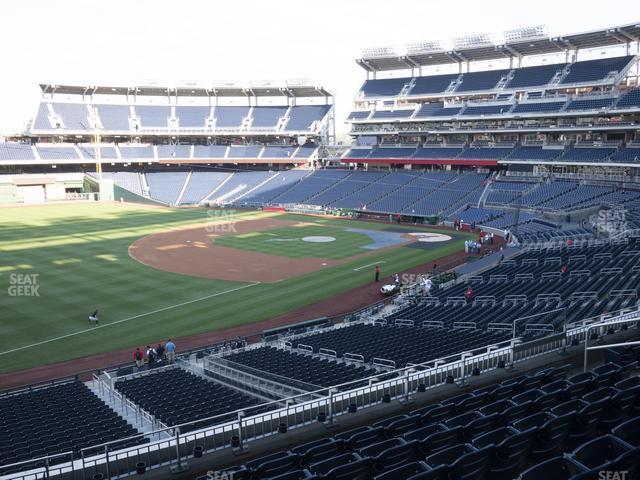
(192, 251)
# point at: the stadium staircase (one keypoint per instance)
(435, 191)
(386, 194)
(408, 87)
(453, 85)
(184, 187)
(218, 187)
(264, 182)
(483, 197)
(293, 185)
(145, 185)
(463, 202)
(323, 191)
(559, 76)
(283, 121)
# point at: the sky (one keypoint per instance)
(130, 41)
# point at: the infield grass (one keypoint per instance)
(289, 242)
(79, 256)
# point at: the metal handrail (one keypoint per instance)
(605, 324)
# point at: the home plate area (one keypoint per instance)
(431, 237)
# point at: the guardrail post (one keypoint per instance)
(180, 466)
(46, 467)
(512, 354)
(330, 414)
(463, 368)
(106, 460)
(407, 399)
(586, 348)
(240, 439)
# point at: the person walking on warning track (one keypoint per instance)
(138, 356)
(170, 349)
(377, 273)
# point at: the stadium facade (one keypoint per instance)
(529, 103)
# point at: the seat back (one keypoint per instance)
(473, 465)
(329, 464)
(480, 426)
(629, 431)
(440, 440)
(423, 432)
(279, 466)
(324, 451)
(404, 472)
(358, 470)
(396, 456)
(558, 468)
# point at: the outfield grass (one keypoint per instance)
(79, 253)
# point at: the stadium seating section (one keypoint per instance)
(593, 71)
(130, 118)
(465, 197)
(578, 154)
(545, 424)
(62, 418)
(303, 368)
(176, 396)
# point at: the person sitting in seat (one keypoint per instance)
(469, 295)
(94, 316)
(427, 285)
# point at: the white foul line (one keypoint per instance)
(93, 329)
(370, 265)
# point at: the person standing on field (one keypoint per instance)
(138, 356)
(377, 273)
(170, 349)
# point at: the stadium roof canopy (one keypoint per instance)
(297, 88)
(516, 43)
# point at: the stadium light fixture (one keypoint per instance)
(471, 41)
(422, 48)
(525, 33)
(380, 52)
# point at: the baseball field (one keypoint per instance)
(154, 273)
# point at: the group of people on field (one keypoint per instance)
(155, 356)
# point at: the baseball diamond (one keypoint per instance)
(138, 262)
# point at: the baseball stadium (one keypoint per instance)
(200, 280)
